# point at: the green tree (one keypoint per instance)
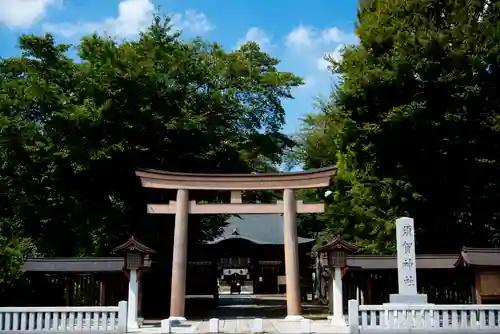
(421, 116)
(72, 133)
(359, 207)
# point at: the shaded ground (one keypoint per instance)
(247, 306)
(236, 314)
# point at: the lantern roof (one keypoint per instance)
(132, 245)
(337, 244)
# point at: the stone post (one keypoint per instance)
(338, 307)
(179, 260)
(330, 292)
(133, 292)
(407, 265)
(291, 256)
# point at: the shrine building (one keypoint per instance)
(247, 258)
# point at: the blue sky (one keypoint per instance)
(298, 33)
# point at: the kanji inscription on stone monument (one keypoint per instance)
(407, 269)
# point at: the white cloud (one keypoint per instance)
(313, 45)
(306, 39)
(336, 55)
(23, 13)
(335, 35)
(257, 35)
(304, 53)
(299, 37)
(323, 63)
(193, 22)
(133, 17)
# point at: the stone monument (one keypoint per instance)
(407, 265)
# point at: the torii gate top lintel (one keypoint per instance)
(315, 178)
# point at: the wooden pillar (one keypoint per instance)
(368, 291)
(179, 261)
(291, 256)
(102, 292)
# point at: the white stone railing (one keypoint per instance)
(64, 319)
(428, 318)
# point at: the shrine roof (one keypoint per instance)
(263, 229)
(483, 257)
(470, 256)
(132, 244)
(337, 243)
(74, 264)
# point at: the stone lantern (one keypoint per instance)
(336, 253)
(136, 254)
(136, 258)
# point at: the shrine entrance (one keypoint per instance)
(236, 275)
(289, 207)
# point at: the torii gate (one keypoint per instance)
(236, 183)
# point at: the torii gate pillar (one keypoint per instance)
(179, 260)
(292, 269)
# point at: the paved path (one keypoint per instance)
(249, 307)
(245, 326)
(237, 313)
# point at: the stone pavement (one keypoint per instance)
(245, 326)
(237, 313)
(249, 307)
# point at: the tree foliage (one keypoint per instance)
(415, 119)
(73, 132)
(359, 207)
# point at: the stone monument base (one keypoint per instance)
(419, 299)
